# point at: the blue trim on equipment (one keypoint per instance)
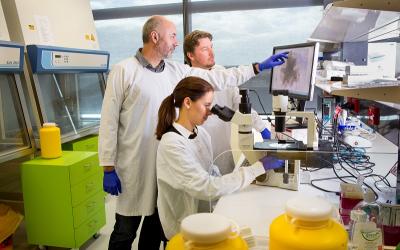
(40, 60)
(13, 68)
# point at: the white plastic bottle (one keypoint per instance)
(365, 227)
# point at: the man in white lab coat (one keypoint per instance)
(135, 89)
(198, 52)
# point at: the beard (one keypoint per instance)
(210, 65)
(164, 50)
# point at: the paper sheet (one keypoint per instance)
(45, 32)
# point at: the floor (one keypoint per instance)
(20, 240)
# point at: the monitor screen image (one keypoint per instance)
(295, 78)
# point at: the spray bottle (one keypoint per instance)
(366, 224)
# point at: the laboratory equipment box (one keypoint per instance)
(87, 143)
(63, 199)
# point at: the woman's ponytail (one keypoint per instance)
(166, 116)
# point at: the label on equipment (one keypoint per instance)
(9, 57)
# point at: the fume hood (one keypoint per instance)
(15, 126)
(67, 87)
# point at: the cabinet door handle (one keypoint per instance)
(87, 166)
(93, 223)
(90, 207)
(90, 187)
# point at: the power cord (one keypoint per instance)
(259, 100)
(352, 158)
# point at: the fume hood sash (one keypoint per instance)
(15, 128)
(343, 24)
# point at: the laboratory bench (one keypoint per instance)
(256, 206)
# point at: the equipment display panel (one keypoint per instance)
(295, 78)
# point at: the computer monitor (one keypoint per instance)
(295, 78)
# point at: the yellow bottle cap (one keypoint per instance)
(49, 124)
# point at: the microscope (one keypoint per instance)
(290, 150)
(280, 109)
(295, 78)
(242, 140)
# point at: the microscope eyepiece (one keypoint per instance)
(244, 105)
(223, 113)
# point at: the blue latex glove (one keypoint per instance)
(273, 61)
(271, 162)
(266, 134)
(111, 182)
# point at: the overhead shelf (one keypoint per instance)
(387, 5)
(360, 21)
(384, 93)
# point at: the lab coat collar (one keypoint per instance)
(184, 132)
(159, 68)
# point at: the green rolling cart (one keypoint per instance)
(63, 199)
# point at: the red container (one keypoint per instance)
(345, 219)
(391, 235)
(355, 103)
(374, 115)
(346, 205)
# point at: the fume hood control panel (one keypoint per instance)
(47, 59)
(68, 59)
(11, 57)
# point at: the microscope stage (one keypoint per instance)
(280, 145)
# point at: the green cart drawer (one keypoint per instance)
(93, 147)
(89, 143)
(89, 228)
(86, 189)
(84, 169)
(88, 208)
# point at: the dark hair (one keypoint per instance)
(192, 40)
(192, 87)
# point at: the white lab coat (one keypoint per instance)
(220, 131)
(129, 118)
(183, 176)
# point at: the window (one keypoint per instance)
(104, 4)
(242, 37)
(122, 37)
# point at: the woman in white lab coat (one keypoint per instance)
(184, 156)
